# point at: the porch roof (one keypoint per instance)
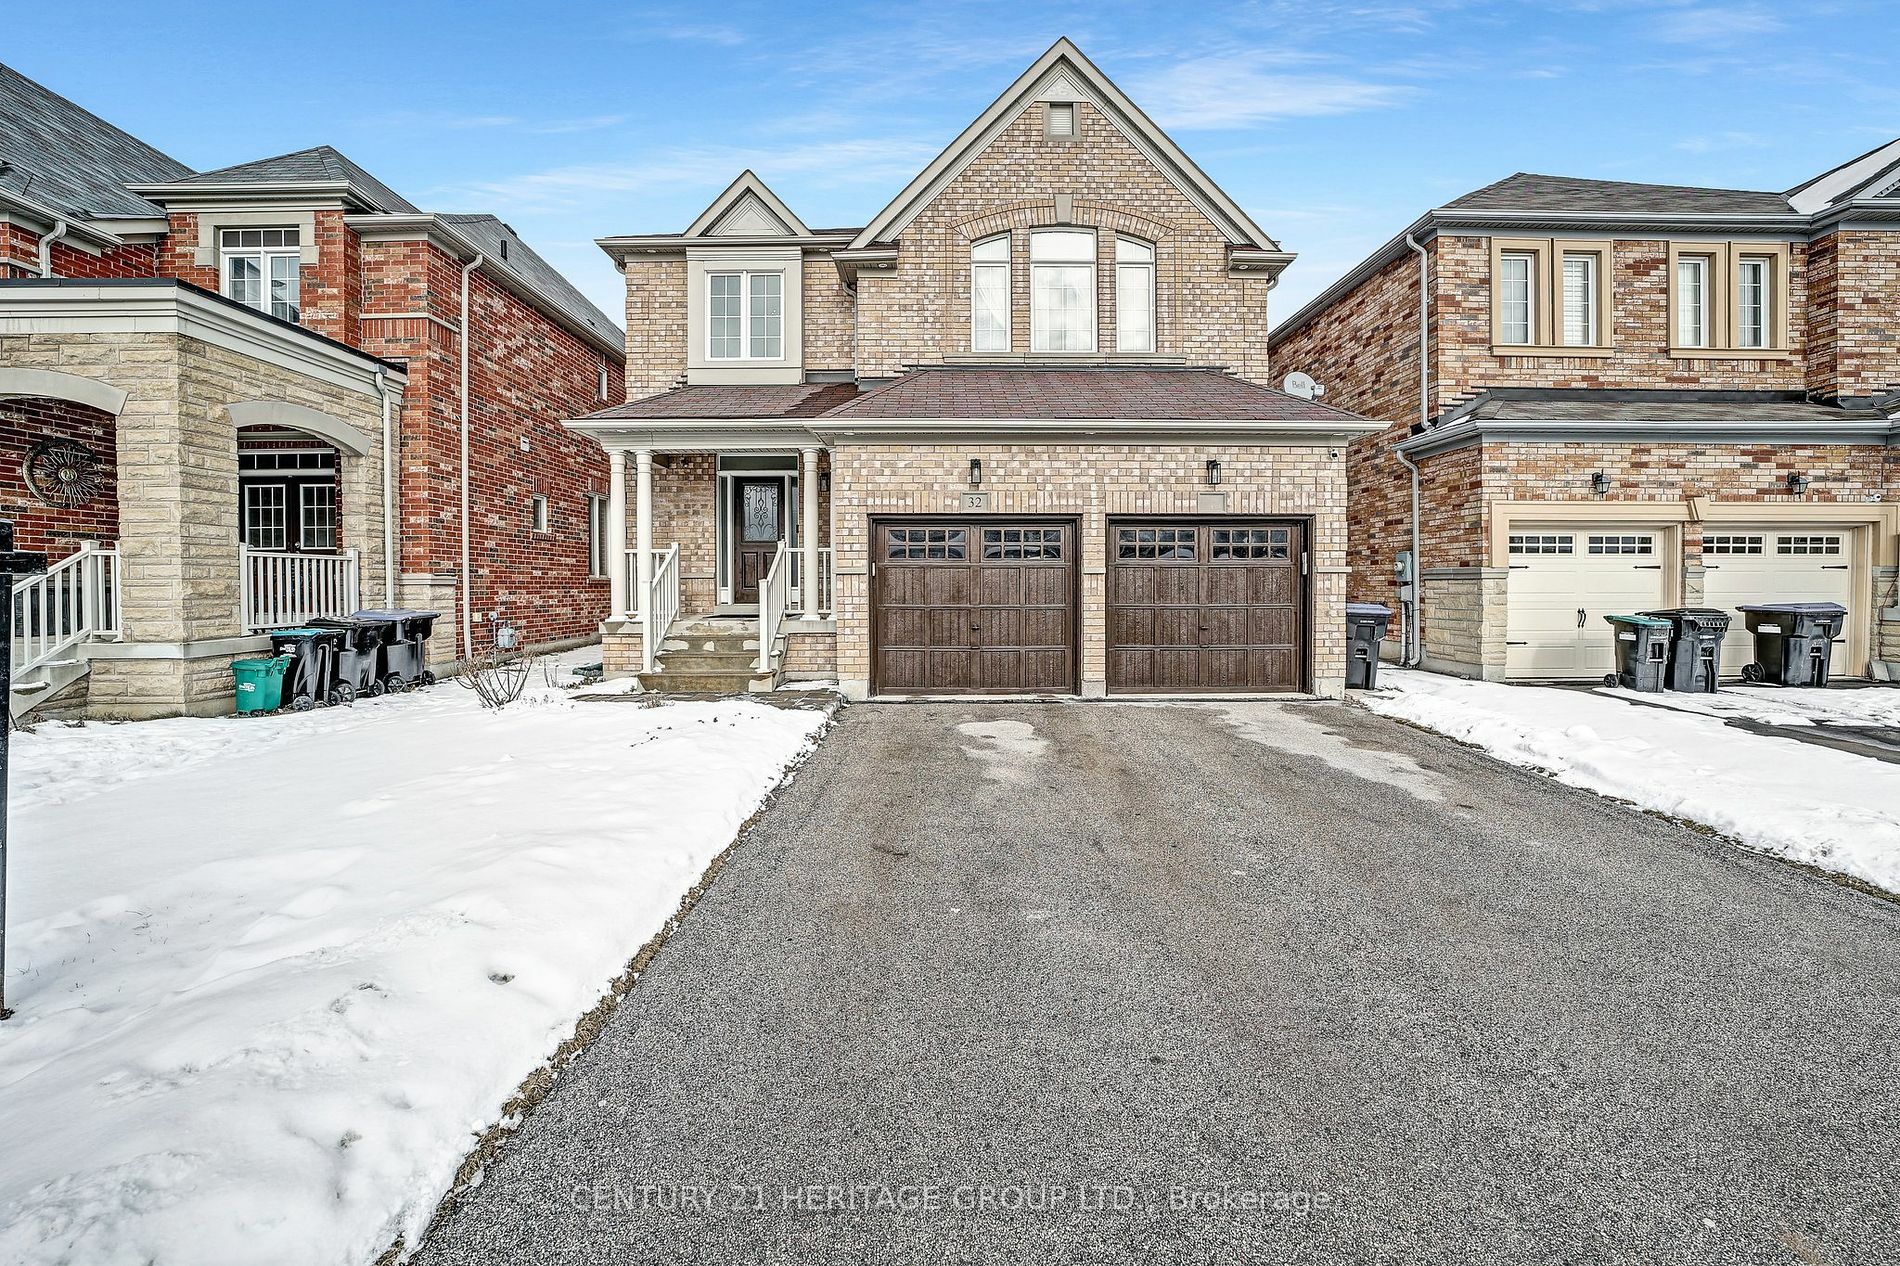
(1094, 393)
(711, 403)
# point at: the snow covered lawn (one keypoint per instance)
(273, 976)
(1799, 800)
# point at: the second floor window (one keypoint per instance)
(1580, 300)
(1062, 290)
(1134, 296)
(989, 295)
(745, 316)
(1517, 299)
(1751, 301)
(1692, 301)
(261, 269)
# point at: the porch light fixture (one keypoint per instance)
(1798, 484)
(824, 481)
(976, 471)
(1213, 473)
(1599, 483)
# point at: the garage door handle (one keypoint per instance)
(1833, 566)
(1582, 615)
(1204, 628)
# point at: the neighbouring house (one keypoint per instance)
(1619, 397)
(200, 376)
(1011, 436)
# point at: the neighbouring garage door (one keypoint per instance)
(1764, 564)
(976, 606)
(1563, 582)
(1207, 606)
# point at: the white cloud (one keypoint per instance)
(722, 34)
(1715, 24)
(1231, 90)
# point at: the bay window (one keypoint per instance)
(262, 269)
(989, 295)
(1062, 290)
(1134, 296)
(745, 316)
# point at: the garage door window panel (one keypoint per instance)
(1810, 545)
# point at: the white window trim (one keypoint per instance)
(304, 498)
(1093, 264)
(596, 536)
(1148, 268)
(263, 255)
(1531, 270)
(745, 276)
(1593, 297)
(538, 519)
(1704, 306)
(1008, 266)
(1767, 329)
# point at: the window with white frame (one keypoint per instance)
(989, 295)
(261, 269)
(1692, 301)
(601, 391)
(316, 516)
(1062, 290)
(1752, 301)
(538, 512)
(1517, 298)
(745, 316)
(1580, 300)
(266, 516)
(596, 534)
(1134, 295)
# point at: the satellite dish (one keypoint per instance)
(1301, 385)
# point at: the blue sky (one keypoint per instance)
(1334, 123)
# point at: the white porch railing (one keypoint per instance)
(774, 595)
(282, 590)
(663, 602)
(806, 606)
(75, 600)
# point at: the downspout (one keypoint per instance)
(389, 488)
(1414, 643)
(467, 581)
(60, 230)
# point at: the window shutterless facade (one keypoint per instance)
(1517, 298)
(745, 316)
(266, 516)
(1134, 296)
(596, 534)
(1752, 301)
(262, 269)
(1548, 296)
(316, 528)
(1062, 290)
(1728, 299)
(538, 512)
(1692, 301)
(1579, 300)
(989, 295)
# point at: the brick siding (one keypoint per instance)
(57, 531)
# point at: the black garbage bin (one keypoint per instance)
(1365, 629)
(1695, 646)
(404, 658)
(1794, 641)
(359, 661)
(1642, 652)
(311, 678)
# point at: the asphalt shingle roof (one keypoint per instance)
(776, 400)
(1145, 394)
(488, 233)
(319, 163)
(71, 160)
(1528, 191)
(1586, 405)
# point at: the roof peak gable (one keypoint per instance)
(747, 208)
(1064, 73)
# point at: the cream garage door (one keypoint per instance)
(1564, 580)
(1766, 564)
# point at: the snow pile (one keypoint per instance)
(1799, 800)
(1775, 705)
(273, 976)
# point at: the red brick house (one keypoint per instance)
(200, 374)
(1012, 435)
(1622, 396)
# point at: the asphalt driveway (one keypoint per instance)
(1275, 983)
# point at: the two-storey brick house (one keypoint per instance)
(200, 375)
(1607, 397)
(1009, 436)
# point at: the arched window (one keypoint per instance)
(1062, 290)
(1134, 295)
(989, 295)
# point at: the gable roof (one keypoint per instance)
(320, 165)
(1873, 175)
(1529, 191)
(747, 209)
(1078, 79)
(487, 234)
(1097, 393)
(70, 160)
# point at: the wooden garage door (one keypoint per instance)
(974, 606)
(1207, 606)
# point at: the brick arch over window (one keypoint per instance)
(50, 384)
(1041, 214)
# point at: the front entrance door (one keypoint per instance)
(758, 525)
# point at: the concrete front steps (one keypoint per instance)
(709, 656)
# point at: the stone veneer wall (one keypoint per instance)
(1092, 482)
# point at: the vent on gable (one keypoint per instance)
(1059, 120)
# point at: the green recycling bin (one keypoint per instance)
(260, 683)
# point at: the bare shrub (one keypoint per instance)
(496, 676)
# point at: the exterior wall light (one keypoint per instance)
(1213, 473)
(1798, 484)
(1599, 483)
(824, 481)
(976, 471)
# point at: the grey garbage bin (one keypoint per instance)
(1642, 652)
(1695, 647)
(1794, 641)
(1365, 629)
(404, 659)
(359, 660)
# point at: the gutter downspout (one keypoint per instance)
(60, 230)
(1414, 642)
(389, 490)
(467, 581)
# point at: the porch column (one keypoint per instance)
(617, 534)
(643, 542)
(808, 532)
